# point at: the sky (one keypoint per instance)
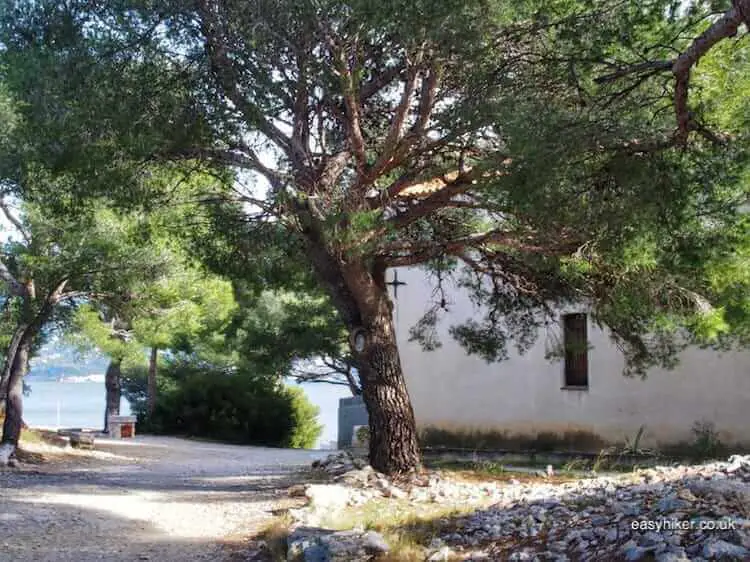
(326, 397)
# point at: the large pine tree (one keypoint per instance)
(546, 151)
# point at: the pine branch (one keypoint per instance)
(14, 221)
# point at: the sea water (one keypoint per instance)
(78, 402)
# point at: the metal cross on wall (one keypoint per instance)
(395, 284)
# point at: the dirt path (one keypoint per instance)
(156, 498)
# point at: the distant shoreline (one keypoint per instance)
(68, 379)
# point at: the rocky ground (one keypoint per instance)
(152, 498)
(667, 514)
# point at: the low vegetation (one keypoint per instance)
(406, 529)
(274, 536)
(706, 443)
(576, 441)
(588, 451)
(30, 438)
(226, 404)
(488, 471)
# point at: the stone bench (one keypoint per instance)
(81, 440)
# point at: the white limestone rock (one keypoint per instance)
(327, 497)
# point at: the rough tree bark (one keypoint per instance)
(112, 384)
(152, 380)
(16, 364)
(359, 294)
(10, 354)
(393, 436)
(13, 424)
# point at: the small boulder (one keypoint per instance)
(315, 553)
(327, 496)
(445, 553)
(356, 478)
(719, 549)
(374, 543)
(395, 492)
(671, 503)
(673, 556)
(80, 440)
(301, 540)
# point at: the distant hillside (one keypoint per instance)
(56, 360)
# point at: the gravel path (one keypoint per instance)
(152, 498)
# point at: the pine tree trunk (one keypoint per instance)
(112, 384)
(17, 364)
(152, 380)
(14, 399)
(359, 293)
(393, 436)
(10, 354)
(4, 379)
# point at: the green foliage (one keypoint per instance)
(98, 251)
(65, 261)
(306, 429)
(183, 308)
(363, 435)
(89, 333)
(706, 441)
(232, 405)
(277, 329)
(595, 202)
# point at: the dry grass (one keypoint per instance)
(275, 535)
(31, 438)
(408, 528)
(481, 472)
(29, 435)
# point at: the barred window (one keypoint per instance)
(576, 350)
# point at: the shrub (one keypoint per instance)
(363, 435)
(306, 429)
(226, 404)
(706, 442)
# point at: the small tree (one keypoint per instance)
(95, 327)
(59, 262)
(180, 310)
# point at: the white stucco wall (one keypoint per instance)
(523, 394)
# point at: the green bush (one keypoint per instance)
(305, 430)
(229, 405)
